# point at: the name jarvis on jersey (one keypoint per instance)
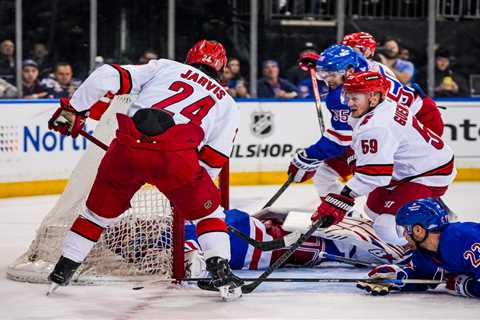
(204, 82)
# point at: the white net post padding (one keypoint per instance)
(138, 245)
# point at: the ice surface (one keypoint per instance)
(19, 218)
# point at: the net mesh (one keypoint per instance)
(137, 246)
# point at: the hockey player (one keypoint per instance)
(176, 136)
(422, 106)
(397, 158)
(332, 66)
(443, 250)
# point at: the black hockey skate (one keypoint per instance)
(63, 271)
(223, 280)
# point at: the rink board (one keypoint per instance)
(34, 160)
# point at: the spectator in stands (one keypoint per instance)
(447, 82)
(226, 80)
(234, 66)
(404, 54)
(233, 79)
(7, 60)
(62, 84)
(147, 56)
(389, 56)
(32, 88)
(241, 90)
(40, 55)
(7, 90)
(294, 74)
(272, 86)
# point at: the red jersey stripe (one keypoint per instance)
(212, 157)
(443, 170)
(339, 136)
(125, 80)
(375, 169)
(87, 229)
(211, 225)
(257, 253)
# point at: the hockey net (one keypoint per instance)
(146, 241)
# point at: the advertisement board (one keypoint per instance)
(270, 132)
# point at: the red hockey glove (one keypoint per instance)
(308, 60)
(302, 167)
(67, 120)
(384, 271)
(333, 209)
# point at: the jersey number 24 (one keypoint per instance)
(195, 111)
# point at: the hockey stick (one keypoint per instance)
(316, 94)
(288, 240)
(94, 140)
(283, 258)
(266, 245)
(279, 192)
(306, 280)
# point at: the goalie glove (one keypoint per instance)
(66, 120)
(302, 167)
(333, 208)
(384, 271)
(308, 60)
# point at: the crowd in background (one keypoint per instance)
(43, 78)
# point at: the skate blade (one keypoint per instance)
(52, 289)
(229, 294)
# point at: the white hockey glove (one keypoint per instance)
(458, 285)
(195, 266)
(385, 271)
(302, 167)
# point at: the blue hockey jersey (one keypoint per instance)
(458, 253)
(243, 255)
(337, 138)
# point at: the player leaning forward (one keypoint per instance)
(176, 136)
(397, 158)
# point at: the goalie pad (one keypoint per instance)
(355, 237)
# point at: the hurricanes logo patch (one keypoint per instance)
(207, 204)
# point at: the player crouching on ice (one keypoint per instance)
(397, 159)
(175, 136)
(444, 250)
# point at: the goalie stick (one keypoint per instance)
(305, 280)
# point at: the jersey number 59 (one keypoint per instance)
(369, 146)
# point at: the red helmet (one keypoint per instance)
(360, 40)
(208, 52)
(365, 82)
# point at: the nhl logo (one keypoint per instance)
(262, 124)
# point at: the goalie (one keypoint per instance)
(353, 238)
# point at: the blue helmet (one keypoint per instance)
(428, 213)
(338, 58)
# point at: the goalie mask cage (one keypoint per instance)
(145, 242)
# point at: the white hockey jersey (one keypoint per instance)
(188, 94)
(392, 146)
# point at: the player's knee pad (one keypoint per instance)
(386, 228)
